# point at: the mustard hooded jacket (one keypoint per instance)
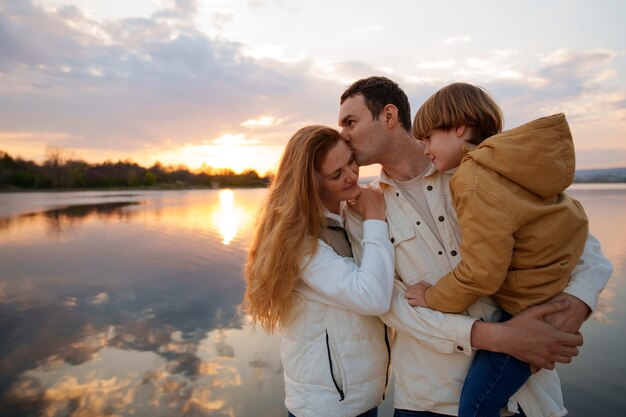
(521, 235)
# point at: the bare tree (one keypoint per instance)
(56, 160)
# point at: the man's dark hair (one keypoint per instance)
(378, 92)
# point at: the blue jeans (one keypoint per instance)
(410, 413)
(491, 380)
(371, 413)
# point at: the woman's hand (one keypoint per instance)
(370, 204)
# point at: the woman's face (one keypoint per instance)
(338, 177)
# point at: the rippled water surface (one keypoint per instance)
(125, 303)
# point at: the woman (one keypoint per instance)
(301, 279)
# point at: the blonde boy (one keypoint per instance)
(521, 235)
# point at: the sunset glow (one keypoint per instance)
(211, 84)
(228, 151)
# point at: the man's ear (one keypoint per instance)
(390, 115)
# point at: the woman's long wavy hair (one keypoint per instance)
(288, 226)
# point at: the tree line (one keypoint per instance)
(60, 170)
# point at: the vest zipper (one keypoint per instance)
(332, 374)
(388, 360)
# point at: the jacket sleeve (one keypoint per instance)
(487, 241)
(591, 274)
(441, 332)
(366, 289)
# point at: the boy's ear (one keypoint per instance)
(390, 114)
(464, 132)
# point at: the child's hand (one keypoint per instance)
(416, 294)
(567, 320)
(570, 319)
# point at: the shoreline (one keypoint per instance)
(152, 188)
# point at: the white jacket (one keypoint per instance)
(432, 350)
(334, 349)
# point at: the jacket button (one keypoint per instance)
(397, 194)
(441, 218)
(392, 240)
(440, 253)
(429, 188)
(459, 348)
(418, 223)
(453, 253)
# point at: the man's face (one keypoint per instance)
(364, 136)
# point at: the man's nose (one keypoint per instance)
(344, 134)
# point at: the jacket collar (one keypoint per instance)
(429, 171)
(334, 219)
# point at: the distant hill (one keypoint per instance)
(582, 175)
(601, 175)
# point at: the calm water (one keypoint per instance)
(125, 303)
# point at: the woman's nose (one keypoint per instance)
(352, 175)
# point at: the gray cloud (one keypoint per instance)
(127, 82)
(573, 75)
(138, 83)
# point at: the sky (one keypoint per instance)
(226, 83)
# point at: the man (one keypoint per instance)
(432, 351)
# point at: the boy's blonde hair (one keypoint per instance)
(456, 105)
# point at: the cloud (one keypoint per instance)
(135, 83)
(367, 29)
(234, 140)
(569, 73)
(147, 86)
(578, 83)
(600, 158)
(448, 63)
(261, 122)
(457, 39)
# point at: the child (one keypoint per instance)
(521, 235)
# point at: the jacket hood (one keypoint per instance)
(538, 155)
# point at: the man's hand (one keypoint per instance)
(529, 338)
(570, 319)
(416, 294)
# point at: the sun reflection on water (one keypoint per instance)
(226, 218)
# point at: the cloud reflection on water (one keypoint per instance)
(133, 308)
(118, 381)
(132, 312)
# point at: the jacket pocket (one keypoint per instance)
(409, 263)
(334, 364)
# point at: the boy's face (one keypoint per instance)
(445, 147)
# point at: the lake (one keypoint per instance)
(126, 303)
